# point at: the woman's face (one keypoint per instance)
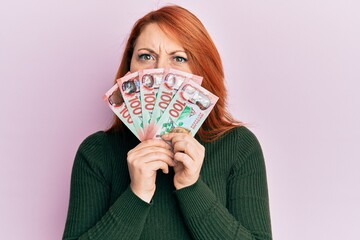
(154, 49)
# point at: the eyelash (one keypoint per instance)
(144, 57)
(180, 59)
(148, 57)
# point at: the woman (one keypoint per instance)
(212, 186)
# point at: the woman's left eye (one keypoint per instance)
(180, 59)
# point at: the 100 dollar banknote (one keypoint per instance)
(129, 86)
(188, 109)
(172, 81)
(115, 101)
(150, 82)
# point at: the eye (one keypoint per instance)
(180, 59)
(145, 57)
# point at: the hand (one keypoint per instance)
(143, 162)
(189, 156)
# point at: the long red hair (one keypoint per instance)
(204, 60)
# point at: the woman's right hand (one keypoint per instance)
(143, 162)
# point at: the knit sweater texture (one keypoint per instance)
(229, 201)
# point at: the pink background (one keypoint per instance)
(292, 70)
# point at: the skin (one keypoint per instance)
(154, 49)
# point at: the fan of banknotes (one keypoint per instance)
(153, 102)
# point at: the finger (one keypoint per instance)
(156, 165)
(185, 160)
(145, 151)
(190, 146)
(177, 137)
(151, 142)
(147, 144)
(181, 146)
(154, 143)
(170, 136)
(151, 157)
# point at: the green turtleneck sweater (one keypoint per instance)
(229, 201)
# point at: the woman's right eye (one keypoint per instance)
(145, 57)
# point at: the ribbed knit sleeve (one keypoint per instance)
(89, 214)
(246, 214)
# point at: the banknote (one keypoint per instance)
(115, 101)
(187, 110)
(172, 80)
(150, 81)
(129, 86)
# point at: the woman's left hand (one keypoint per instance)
(189, 155)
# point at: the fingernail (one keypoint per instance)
(165, 135)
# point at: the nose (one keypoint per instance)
(162, 62)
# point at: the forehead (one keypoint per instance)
(152, 36)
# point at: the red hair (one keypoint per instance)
(204, 60)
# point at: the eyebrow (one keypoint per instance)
(175, 51)
(147, 49)
(152, 51)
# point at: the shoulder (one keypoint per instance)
(94, 139)
(106, 145)
(102, 139)
(247, 147)
(241, 137)
(92, 149)
(93, 144)
(100, 153)
(237, 144)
